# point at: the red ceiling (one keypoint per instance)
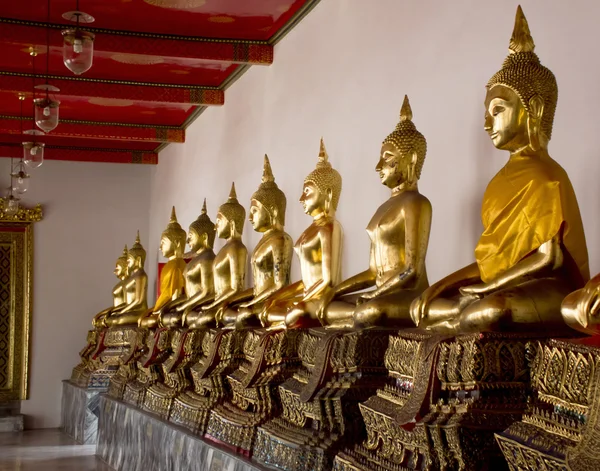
(156, 62)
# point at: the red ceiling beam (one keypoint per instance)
(96, 88)
(74, 154)
(130, 42)
(92, 130)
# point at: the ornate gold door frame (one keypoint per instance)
(16, 283)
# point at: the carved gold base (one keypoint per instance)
(561, 428)
(443, 402)
(220, 352)
(320, 413)
(268, 359)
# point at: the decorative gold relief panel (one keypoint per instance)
(16, 274)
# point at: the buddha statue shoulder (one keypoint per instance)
(229, 265)
(399, 234)
(136, 289)
(532, 252)
(172, 281)
(319, 250)
(271, 260)
(118, 292)
(198, 274)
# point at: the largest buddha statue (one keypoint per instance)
(532, 252)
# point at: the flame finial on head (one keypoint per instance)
(521, 40)
(203, 207)
(174, 231)
(406, 111)
(137, 250)
(267, 171)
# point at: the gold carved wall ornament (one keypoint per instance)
(16, 291)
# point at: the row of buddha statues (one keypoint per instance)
(530, 275)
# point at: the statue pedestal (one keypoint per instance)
(561, 428)
(130, 439)
(220, 353)
(78, 417)
(446, 399)
(268, 359)
(185, 348)
(320, 414)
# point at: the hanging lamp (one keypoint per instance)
(33, 151)
(78, 44)
(19, 176)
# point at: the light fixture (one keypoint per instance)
(46, 109)
(33, 151)
(20, 178)
(11, 203)
(78, 44)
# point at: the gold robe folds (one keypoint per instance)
(171, 281)
(524, 206)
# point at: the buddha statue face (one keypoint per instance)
(314, 200)
(222, 226)
(168, 247)
(506, 119)
(395, 168)
(260, 217)
(133, 262)
(197, 241)
(120, 270)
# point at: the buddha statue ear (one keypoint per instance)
(412, 166)
(274, 215)
(534, 121)
(328, 201)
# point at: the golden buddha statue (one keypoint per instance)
(319, 250)
(172, 281)
(119, 298)
(399, 233)
(271, 260)
(532, 252)
(136, 289)
(229, 266)
(198, 273)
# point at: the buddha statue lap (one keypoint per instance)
(319, 250)
(199, 287)
(532, 252)
(218, 347)
(234, 422)
(399, 233)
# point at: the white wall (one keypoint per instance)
(90, 212)
(342, 73)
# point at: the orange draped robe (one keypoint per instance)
(524, 206)
(171, 281)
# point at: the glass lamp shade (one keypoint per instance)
(11, 203)
(20, 180)
(78, 50)
(46, 113)
(33, 154)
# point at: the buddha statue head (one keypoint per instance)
(121, 265)
(521, 97)
(322, 187)
(172, 241)
(230, 217)
(268, 203)
(137, 255)
(202, 232)
(402, 152)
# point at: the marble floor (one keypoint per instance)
(47, 450)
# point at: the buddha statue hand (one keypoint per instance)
(420, 305)
(589, 305)
(327, 296)
(220, 314)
